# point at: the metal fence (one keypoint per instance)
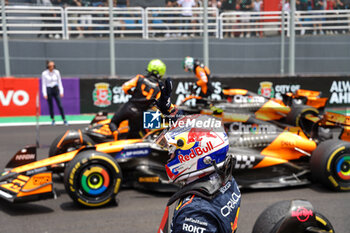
(78, 22)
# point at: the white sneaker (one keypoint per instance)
(80, 36)
(167, 35)
(314, 33)
(185, 35)
(302, 32)
(241, 35)
(192, 35)
(321, 32)
(248, 35)
(57, 36)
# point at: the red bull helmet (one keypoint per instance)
(194, 143)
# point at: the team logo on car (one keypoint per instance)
(266, 89)
(302, 214)
(102, 95)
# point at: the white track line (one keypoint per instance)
(42, 123)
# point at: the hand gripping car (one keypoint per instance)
(92, 175)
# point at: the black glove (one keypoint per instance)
(164, 102)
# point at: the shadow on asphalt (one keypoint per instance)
(72, 206)
(21, 209)
(321, 188)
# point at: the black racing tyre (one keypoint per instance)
(272, 217)
(295, 116)
(92, 178)
(68, 141)
(330, 164)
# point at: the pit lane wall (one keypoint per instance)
(18, 95)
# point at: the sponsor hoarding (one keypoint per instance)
(18, 96)
(70, 101)
(107, 95)
(101, 95)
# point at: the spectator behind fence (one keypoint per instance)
(51, 84)
(229, 6)
(74, 17)
(318, 5)
(342, 5)
(121, 23)
(245, 5)
(186, 13)
(171, 3)
(257, 6)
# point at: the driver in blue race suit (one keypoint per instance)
(209, 198)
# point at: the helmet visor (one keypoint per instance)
(166, 143)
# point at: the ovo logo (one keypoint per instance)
(19, 97)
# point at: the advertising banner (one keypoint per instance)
(107, 95)
(101, 95)
(337, 89)
(18, 96)
(70, 101)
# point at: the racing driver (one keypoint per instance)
(209, 199)
(145, 91)
(202, 73)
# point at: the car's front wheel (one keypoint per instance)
(92, 178)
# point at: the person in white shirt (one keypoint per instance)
(186, 13)
(52, 88)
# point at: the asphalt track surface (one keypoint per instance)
(136, 211)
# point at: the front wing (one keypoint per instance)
(20, 188)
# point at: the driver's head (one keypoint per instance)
(188, 64)
(194, 143)
(156, 68)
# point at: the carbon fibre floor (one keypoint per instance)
(137, 211)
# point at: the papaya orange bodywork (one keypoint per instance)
(317, 102)
(115, 146)
(286, 144)
(345, 134)
(39, 183)
(307, 93)
(270, 161)
(234, 91)
(272, 110)
(28, 186)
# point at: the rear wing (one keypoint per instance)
(308, 97)
(100, 116)
(335, 118)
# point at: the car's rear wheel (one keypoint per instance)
(271, 219)
(69, 141)
(330, 164)
(296, 117)
(92, 178)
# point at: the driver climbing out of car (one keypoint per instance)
(145, 91)
(202, 72)
(209, 197)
